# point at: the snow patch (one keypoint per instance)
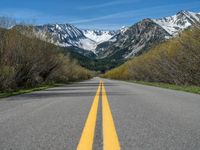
(177, 23)
(98, 36)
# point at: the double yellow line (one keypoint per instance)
(110, 138)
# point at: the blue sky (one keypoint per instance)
(94, 14)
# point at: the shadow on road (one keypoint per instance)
(72, 90)
(44, 95)
(88, 85)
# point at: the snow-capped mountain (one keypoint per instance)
(99, 36)
(141, 36)
(121, 44)
(67, 35)
(177, 23)
(133, 40)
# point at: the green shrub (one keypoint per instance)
(175, 61)
(27, 62)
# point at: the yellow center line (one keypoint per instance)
(87, 137)
(110, 138)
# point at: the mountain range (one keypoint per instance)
(124, 43)
(139, 37)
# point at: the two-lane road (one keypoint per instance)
(136, 117)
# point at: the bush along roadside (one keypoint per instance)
(175, 62)
(26, 62)
(191, 89)
(23, 91)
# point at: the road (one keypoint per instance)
(128, 115)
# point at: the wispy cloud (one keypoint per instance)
(107, 4)
(112, 20)
(140, 12)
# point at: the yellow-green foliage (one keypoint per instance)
(27, 62)
(174, 61)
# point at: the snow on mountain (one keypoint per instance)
(99, 36)
(177, 23)
(123, 29)
(65, 35)
(124, 43)
(137, 39)
(133, 41)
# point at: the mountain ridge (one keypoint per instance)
(126, 42)
(141, 36)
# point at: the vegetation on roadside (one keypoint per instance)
(23, 91)
(27, 62)
(191, 89)
(175, 61)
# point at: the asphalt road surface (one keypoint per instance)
(107, 115)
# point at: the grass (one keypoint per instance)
(191, 89)
(23, 91)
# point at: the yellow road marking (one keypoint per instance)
(110, 138)
(87, 137)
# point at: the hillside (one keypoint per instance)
(99, 65)
(175, 61)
